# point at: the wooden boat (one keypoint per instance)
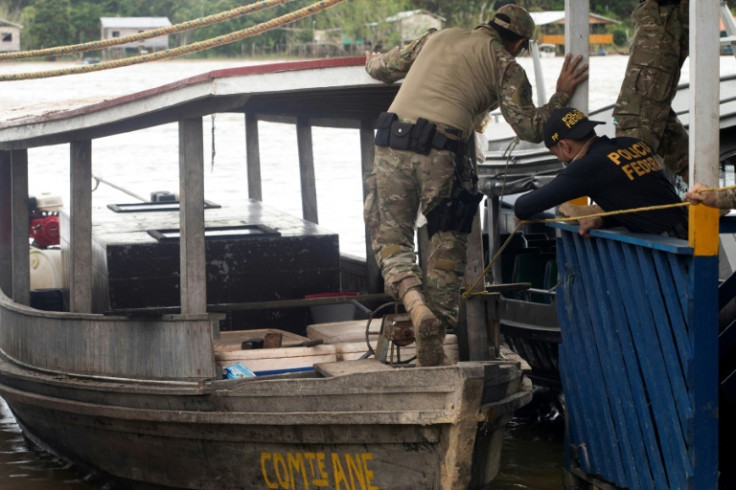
(134, 390)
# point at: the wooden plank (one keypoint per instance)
(642, 424)
(306, 170)
(605, 456)
(477, 335)
(658, 324)
(340, 368)
(253, 157)
(656, 242)
(367, 155)
(675, 309)
(80, 237)
(193, 280)
(665, 327)
(604, 326)
(704, 94)
(670, 435)
(704, 156)
(577, 42)
(167, 348)
(6, 255)
(704, 375)
(19, 226)
(580, 427)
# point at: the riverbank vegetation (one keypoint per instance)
(352, 24)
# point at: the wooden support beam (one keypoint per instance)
(193, 278)
(19, 226)
(577, 41)
(367, 155)
(478, 348)
(6, 255)
(253, 157)
(704, 147)
(80, 237)
(306, 170)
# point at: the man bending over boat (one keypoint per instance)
(452, 77)
(616, 173)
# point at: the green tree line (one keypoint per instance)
(48, 23)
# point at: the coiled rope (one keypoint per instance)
(140, 36)
(190, 48)
(470, 288)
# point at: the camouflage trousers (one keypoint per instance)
(401, 184)
(643, 109)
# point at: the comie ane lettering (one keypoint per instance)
(317, 470)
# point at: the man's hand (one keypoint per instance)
(587, 224)
(571, 76)
(696, 196)
(369, 55)
(570, 210)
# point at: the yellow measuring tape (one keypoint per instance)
(190, 48)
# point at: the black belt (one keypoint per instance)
(442, 142)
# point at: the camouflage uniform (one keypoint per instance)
(643, 109)
(456, 76)
(726, 199)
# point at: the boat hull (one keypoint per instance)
(401, 428)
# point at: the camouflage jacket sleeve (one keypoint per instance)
(394, 65)
(517, 107)
(726, 199)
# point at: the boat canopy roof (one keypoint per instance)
(333, 92)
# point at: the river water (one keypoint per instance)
(532, 457)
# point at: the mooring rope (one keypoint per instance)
(470, 288)
(190, 48)
(140, 36)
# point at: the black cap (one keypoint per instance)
(567, 123)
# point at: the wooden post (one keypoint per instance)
(6, 255)
(80, 237)
(193, 280)
(367, 155)
(253, 157)
(306, 170)
(577, 41)
(19, 226)
(704, 154)
(475, 313)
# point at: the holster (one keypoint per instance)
(456, 213)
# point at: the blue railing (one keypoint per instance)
(638, 359)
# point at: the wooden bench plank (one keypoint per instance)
(340, 368)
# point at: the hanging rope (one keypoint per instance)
(174, 52)
(140, 36)
(470, 288)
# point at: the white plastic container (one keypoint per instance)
(46, 271)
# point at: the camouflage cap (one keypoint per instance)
(520, 22)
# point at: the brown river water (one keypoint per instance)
(532, 454)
